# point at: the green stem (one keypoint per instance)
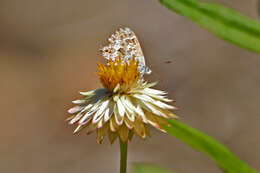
(123, 156)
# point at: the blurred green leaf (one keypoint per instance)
(225, 159)
(223, 22)
(149, 168)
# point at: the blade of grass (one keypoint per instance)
(223, 22)
(225, 159)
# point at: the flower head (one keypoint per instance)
(118, 73)
(126, 105)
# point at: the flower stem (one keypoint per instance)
(123, 156)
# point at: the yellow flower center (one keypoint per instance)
(118, 72)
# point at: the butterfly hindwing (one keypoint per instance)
(124, 44)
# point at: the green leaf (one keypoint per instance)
(225, 159)
(223, 22)
(149, 168)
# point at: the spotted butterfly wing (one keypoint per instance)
(124, 44)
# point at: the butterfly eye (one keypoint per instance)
(148, 70)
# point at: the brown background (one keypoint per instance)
(49, 51)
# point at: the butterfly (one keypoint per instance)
(123, 43)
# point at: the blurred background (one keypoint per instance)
(49, 51)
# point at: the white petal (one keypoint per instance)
(77, 129)
(166, 100)
(158, 97)
(130, 126)
(118, 118)
(76, 118)
(143, 97)
(116, 88)
(121, 108)
(103, 106)
(101, 109)
(148, 85)
(130, 116)
(154, 91)
(106, 115)
(85, 122)
(153, 109)
(100, 124)
(88, 93)
(86, 108)
(138, 110)
(99, 114)
(97, 117)
(141, 113)
(95, 106)
(75, 109)
(79, 101)
(115, 97)
(123, 100)
(109, 112)
(85, 117)
(147, 98)
(163, 105)
(129, 104)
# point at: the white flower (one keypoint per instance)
(126, 105)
